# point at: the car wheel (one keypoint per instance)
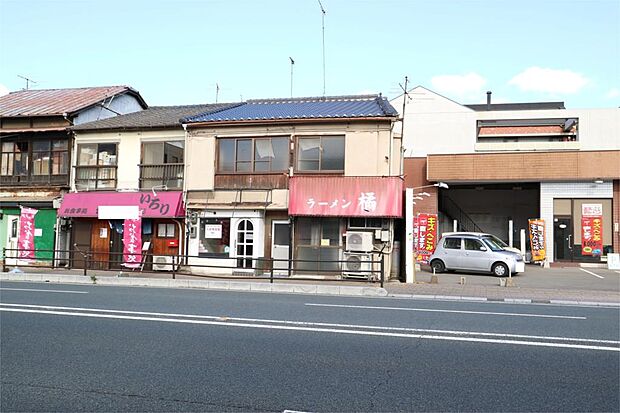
(500, 269)
(438, 266)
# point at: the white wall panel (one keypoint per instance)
(551, 190)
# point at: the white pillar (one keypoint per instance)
(510, 229)
(523, 242)
(455, 225)
(409, 235)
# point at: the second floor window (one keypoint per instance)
(162, 164)
(96, 166)
(253, 155)
(34, 162)
(320, 153)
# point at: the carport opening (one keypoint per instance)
(490, 208)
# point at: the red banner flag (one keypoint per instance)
(425, 236)
(132, 243)
(26, 233)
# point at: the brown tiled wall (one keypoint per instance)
(415, 176)
(525, 166)
(616, 216)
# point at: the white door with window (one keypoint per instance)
(11, 239)
(280, 245)
(244, 243)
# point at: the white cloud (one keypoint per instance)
(3, 90)
(468, 86)
(612, 93)
(538, 79)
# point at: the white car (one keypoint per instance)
(483, 234)
(475, 252)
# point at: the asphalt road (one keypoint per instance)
(95, 348)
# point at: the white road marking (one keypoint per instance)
(324, 327)
(448, 311)
(591, 273)
(44, 291)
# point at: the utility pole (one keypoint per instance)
(292, 64)
(323, 12)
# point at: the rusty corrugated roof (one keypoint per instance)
(46, 102)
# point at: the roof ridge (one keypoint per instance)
(211, 112)
(72, 88)
(314, 99)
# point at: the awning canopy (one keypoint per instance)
(160, 205)
(346, 196)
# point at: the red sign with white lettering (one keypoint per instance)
(346, 196)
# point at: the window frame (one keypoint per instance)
(57, 154)
(253, 161)
(321, 138)
(99, 167)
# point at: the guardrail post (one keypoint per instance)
(271, 273)
(174, 267)
(3, 259)
(382, 268)
(86, 262)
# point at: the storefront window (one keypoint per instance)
(214, 237)
(318, 244)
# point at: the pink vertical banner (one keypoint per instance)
(132, 243)
(25, 240)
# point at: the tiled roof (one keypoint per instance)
(153, 117)
(517, 106)
(58, 101)
(360, 106)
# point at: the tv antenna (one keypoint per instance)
(406, 97)
(323, 13)
(292, 64)
(28, 81)
(217, 91)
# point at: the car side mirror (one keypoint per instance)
(483, 248)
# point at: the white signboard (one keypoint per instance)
(591, 210)
(613, 261)
(118, 212)
(38, 232)
(213, 231)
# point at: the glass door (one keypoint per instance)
(563, 238)
(245, 244)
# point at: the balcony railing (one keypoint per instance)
(168, 174)
(95, 177)
(34, 180)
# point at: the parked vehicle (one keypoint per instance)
(483, 234)
(475, 252)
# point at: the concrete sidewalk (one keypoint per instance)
(556, 286)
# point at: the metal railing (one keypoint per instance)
(169, 174)
(465, 222)
(261, 268)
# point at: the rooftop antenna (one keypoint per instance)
(292, 64)
(406, 97)
(217, 91)
(323, 28)
(28, 81)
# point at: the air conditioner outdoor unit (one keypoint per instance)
(162, 263)
(359, 241)
(357, 265)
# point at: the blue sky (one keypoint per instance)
(175, 52)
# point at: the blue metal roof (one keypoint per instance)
(360, 106)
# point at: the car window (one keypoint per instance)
(452, 243)
(498, 241)
(473, 244)
(494, 245)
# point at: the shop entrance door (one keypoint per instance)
(563, 238)
(245, 244)
(11, 239)
(280, 245)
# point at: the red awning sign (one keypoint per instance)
(86, 204)
(346, 196)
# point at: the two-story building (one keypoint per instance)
(129, 167)
(507, 163)
(35, 153)
(311, 181)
